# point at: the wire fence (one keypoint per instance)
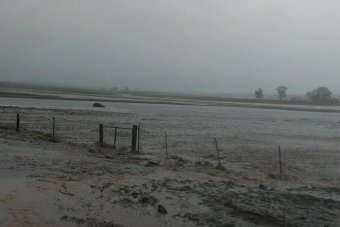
(66, 130)
(243, 155)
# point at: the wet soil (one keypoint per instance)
(46, 182)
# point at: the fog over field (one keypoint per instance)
(225, 46)
(137, 113)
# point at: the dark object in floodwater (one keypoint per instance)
(162, 210)
(97, 104)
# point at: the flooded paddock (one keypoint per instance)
(246, 190)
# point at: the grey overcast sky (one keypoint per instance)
(229, 46)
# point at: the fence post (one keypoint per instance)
(166, 143)
(18, 123)
(101, 134)
(53, 127)
(138, 133)
(280, 163)
(115, 139)
(218, 153)
(134, 137)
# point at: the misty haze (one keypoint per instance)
(182, 46)
(169, 113)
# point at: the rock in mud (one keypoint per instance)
(162, 209)
(262, 187)
(148, 199)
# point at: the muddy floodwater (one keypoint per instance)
(69, 180)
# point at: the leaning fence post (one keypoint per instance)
(280, 163)
(18, 123)
(218, 153)
(53, 127)
(134, 138)
(101, 134)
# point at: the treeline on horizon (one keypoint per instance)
(320, 95)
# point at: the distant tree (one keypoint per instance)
(126, 89)
(282, 92)
(114, 89)
(321, 95)
(259, 93)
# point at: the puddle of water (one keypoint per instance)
(14, 173)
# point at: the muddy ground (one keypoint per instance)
(62, 182)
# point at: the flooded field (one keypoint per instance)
(245, 191)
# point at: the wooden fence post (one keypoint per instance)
(218, 153)
(115, 139)
(166, 144)
(134, 138)
(18, 123)
(53, 127)
(280, 163)
(138, 133)
(101, 134)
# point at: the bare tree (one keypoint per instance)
(259, 93)
(282, 92)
